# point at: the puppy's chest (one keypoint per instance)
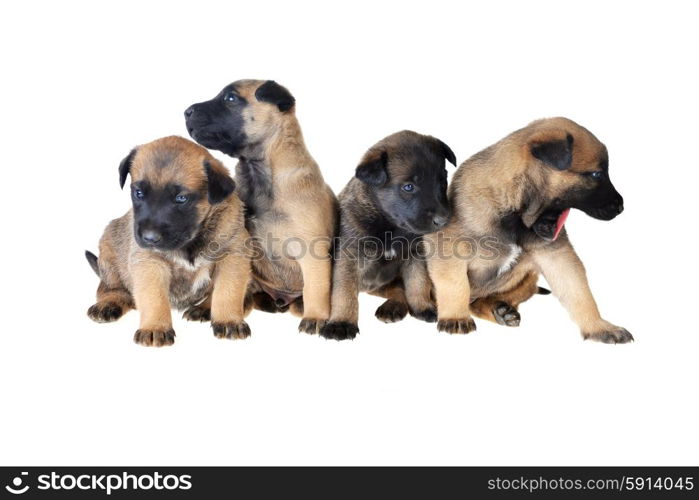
(189, 283)
(376, 271)
(496, 264)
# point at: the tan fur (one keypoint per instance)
(153, 281)
(500, 180)
(301, 208)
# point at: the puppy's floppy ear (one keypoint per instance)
(556, 152)
(446, 151)
(219, 182)
(272, 92)
(125, 167)
(372, 168)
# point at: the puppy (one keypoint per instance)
(399, 193)
(291, 212)
(182, 245)
(510, 203)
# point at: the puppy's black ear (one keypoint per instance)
(220, 184)
(446, 151)
(272, 92)
(125, 167)
(372, 169)
(557, 153)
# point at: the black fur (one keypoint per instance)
(125, 167)
(92, 260)
(218, 123)
(220, 185)
(272, 92)
(373, 170)
(446, 151)
(176, 224)
(558, 154)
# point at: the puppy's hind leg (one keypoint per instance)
(113, 299)
(395, 308)
(112, 303)
(501, 308)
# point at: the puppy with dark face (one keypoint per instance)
(515, 196)
(399, 193)
(182, 245)
(290, 211)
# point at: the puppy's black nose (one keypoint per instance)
(151, 237)
(188, 112)
(440, 221)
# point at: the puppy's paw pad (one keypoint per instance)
(455, 326)
(427, 315)
(391, 311)
(230, 330)
(339, 330)
(311, 326)
(154, 338)
(197, 313)
(506, 315)
(617, 336)
(105, 312)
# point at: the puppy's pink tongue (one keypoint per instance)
(561, 222)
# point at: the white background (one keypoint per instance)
(83, 83)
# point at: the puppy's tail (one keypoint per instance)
(92, 260)
(543, 291)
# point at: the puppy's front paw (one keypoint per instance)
(506, 315)
(391, 311)
(613, 335)
(154, 338)
(426, 315)
(230, 329)
(105, 312)
(339, 330)
(466, 325)
(197, 313)
(311, 326)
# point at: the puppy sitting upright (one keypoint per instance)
(290, 211)
(398, 194)
(182, 245)
(515, 196)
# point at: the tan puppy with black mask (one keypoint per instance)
(509, 204)
(290, 211)
(182, 245)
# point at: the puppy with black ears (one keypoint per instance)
(290, 211)
(398, 194)
(182, 245)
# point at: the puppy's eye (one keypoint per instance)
(408, 188)
(596, 175)
(181, 198)
(138, 194)
(230, 97)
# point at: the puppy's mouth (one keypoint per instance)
(550, 224)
